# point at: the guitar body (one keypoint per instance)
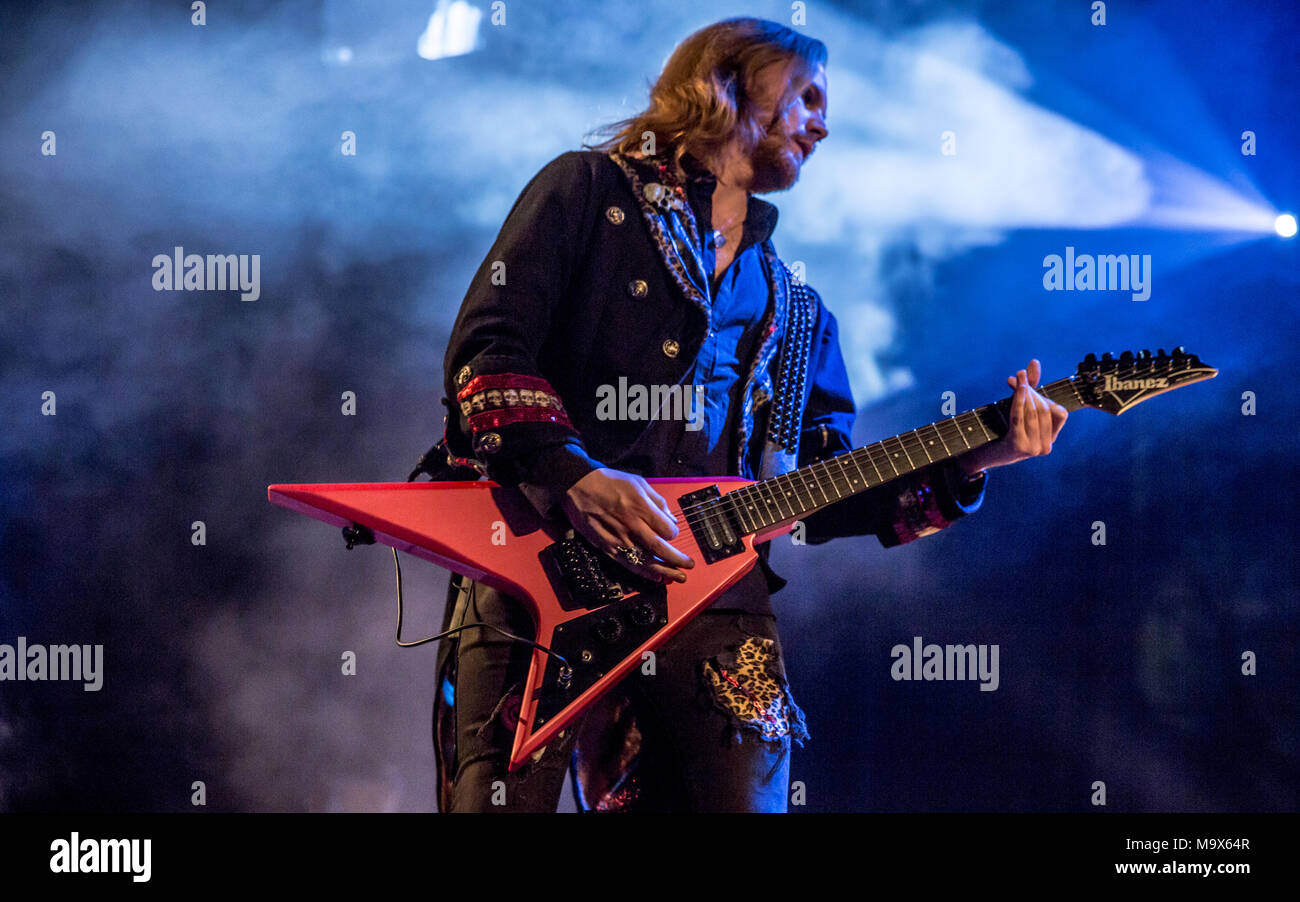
(597, 618)
(490, 533)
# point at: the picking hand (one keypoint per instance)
(614, 510)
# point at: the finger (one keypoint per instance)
(1011, 380)
(664, 574)
(646, 568)
(658, 499)
(1059, 416)
(1045, 423)
(598, 535)
(650, 568)
(657, 519)
(1017, 412)
(1035, 371)
(1043, 416)
(663, 550)
(1029, 417)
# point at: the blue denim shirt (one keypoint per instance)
(738, 300)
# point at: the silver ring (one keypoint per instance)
(632, 555)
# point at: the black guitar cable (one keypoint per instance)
(360, 535)
(464, 626)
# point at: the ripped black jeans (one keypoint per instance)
(709, 730)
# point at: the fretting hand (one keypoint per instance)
(1036, 421)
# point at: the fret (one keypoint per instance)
(905, 454)
(951, 440)
(795, 481)
(1075, 388)
(854, 457)
(888, 459)
(880, 477)
(825, 465)
(804, 474)
(798, 479)
(738, 505)
(924, 444)
(959, 432)
(779, 496)
(817, 484)
(935, 427)
(818, 481)
(794, 494)
(971, 417)
(844, 474)
(761, 492)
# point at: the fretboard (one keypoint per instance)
(808, 489)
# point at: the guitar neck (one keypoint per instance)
(808, 489)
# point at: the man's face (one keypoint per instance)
(794, 134)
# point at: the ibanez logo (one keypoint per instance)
(1113, 384)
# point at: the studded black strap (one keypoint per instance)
(792, 380)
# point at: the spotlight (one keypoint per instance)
(1284, 225)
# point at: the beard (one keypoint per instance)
(776, 164)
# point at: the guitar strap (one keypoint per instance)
(781, 447)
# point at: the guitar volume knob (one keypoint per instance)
(609, 629)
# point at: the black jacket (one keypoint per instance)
(591, 279)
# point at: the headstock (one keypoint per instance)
(1114, 384)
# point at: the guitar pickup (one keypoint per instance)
(713, 523)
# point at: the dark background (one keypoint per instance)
(1119, 663)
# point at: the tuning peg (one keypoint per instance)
(1126, 357)
(1162, 353)
(1090, 359)
(1107, 357)
(1180, 351)
(1144, 354)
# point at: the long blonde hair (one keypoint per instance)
(706, 94)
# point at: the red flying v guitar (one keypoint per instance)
(594, 618)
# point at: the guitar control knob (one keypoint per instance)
(609, 629)
(644, 614)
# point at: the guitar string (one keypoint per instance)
(696, 513)
(709, 512)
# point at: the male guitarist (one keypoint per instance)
(648, 259)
